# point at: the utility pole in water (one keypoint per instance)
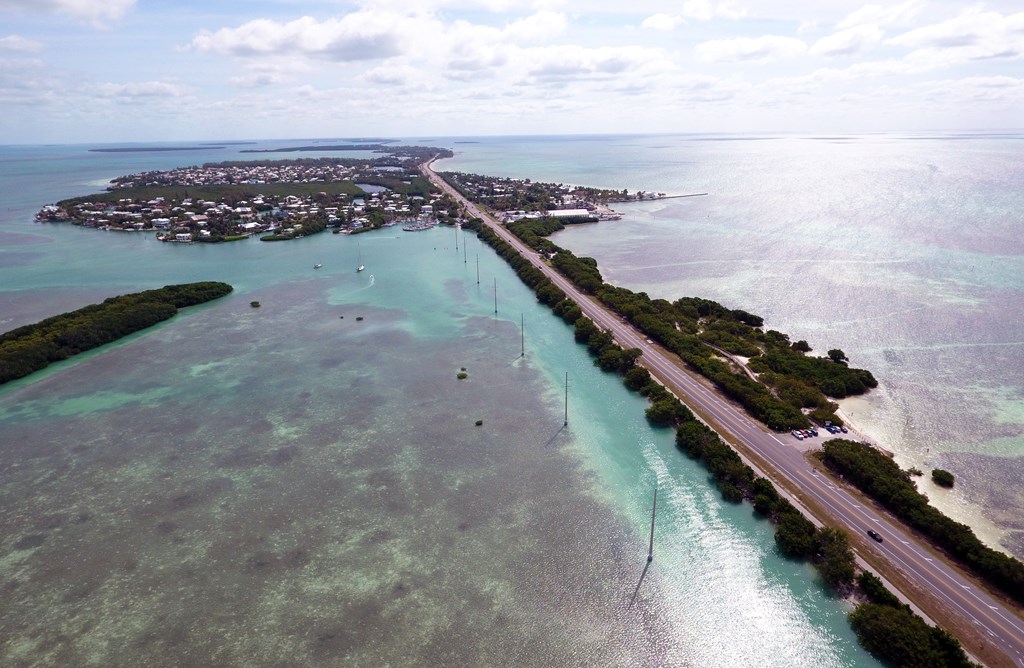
(522, 334)
(654, 509)
(566, 422)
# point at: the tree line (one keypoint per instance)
(31, 348)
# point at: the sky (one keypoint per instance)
(148, 70)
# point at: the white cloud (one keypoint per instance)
(661, 22)
(96, 12)
(459, 50)
(699, 10)
(564, 63)
(807, 26)
(493, 6)
(13, 66)
(357, 36)
(750, 49)
(883, 15)
(145, 89)
(699, 89)
(990, 32)
(390, 75)
(539, 27)
(256, 80)
(506, 66)
(19, 44)
(974, 90)
(848, 42)
(705, 10)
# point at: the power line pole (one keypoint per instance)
(522, 334)
(566, 422)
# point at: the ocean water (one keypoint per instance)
(904, 251)
(291, 485)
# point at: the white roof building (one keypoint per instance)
(568, 213)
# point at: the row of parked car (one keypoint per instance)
(801, 434)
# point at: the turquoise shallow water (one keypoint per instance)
(289, 485)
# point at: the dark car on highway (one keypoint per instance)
(875, 535)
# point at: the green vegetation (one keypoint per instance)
(881, 478)
(942, 478)
(28, 349)
(830, 374)
(900, 638)
(462, 375)
(254, 304)
(875, 591)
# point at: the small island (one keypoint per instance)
(31, 348)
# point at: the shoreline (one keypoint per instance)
(858, 431)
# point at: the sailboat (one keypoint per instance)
(317, 265)
(358, 262)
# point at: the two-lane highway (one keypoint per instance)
(995, 623)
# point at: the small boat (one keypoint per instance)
(317, 265)
(419, 227)
(359, 263)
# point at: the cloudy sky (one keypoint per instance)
(144, 70)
